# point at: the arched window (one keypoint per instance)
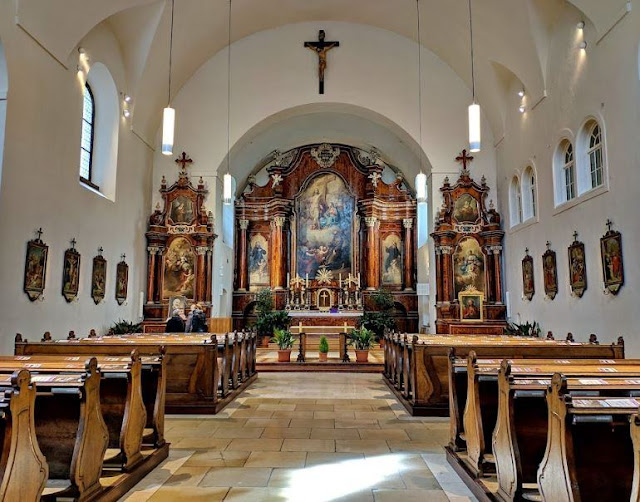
(568, 171)
(529, 195)
(515, 202)
(596, 162)
(86, 142)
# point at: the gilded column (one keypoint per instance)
(243, 266)
(497, 250)
(278, 255)
(447, 274)
(151, 275)
(372, 255)
(408, 254)
(209, 284)
(199, 293)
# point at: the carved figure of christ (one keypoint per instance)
(321, 48)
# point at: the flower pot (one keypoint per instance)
(322, 356)
(264, 342)
(284, 356)
(362, 356)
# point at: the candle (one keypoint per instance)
(340, 279)
(307, 277)
(288, 279)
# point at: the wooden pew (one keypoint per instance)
(592, 448)
(481, 409)
(121, 398)
(202, 373)
(70, 430)
(23, 467)
(418, 369)
(520, 434)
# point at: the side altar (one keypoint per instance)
(325, 233)
(468, 251)
(180, 239)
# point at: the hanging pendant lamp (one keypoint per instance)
(475, 138)
(421, 178)
(169, 114)
(227, 180)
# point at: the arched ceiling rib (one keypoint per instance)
(513, 33)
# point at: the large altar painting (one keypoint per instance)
(468, 267)
(325, 221)
(465, 209)
(392, 260)
(258, 260)
(179, 269)
(182, 210)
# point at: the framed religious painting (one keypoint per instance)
(612, 262)
(122, 281)
(35, 269)
(550, 271)
(528, 279)
(392, 260)
(71, 273)
(98, 278)
(577, 268)
(471, 303)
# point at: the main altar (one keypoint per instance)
(325, 233)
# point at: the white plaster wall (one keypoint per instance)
(374, 70)
(602, 82)
(40, 188)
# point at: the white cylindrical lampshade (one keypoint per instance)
(421, 187)
(474, 128)
(168, 128)
(227, 189)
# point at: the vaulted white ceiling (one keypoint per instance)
(511, 36)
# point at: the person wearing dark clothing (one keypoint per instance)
(197, 320)
(175, 323)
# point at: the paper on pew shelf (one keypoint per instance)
(592, 381)
(607, 370)
(606, 403)
(632, 381)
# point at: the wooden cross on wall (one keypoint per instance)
(321, 48)
(184, 160)
(464, 159)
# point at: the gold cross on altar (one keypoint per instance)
(463, 159)
(184, 160)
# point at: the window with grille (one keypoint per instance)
(86, 142)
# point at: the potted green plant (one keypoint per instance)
(268, 320)
(122, 327)
(527, 329)
(284, 339)
(362, 339)
(323, 349)
(379, 318)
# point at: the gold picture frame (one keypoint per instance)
(471, 306)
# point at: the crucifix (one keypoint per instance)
(123, 256)
(609, 224)
(321, 48)
(184, 160)
(575, 236)
(463, 159)
(100, 250)
(73, 243)
(39, 232)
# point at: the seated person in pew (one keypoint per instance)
(176, 321)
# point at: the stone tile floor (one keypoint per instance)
(311, 437)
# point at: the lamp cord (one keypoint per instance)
(419, 85)
(170, 50)
(473, 77)
(229, 93)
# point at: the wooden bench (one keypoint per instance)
(593, 448)
(417, 367)
(70, 430)
(23, 466)
(482, 403)
(203, 372)
(121, 398)
(520, 434)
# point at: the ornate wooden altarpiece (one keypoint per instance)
(180, 241)
(324, 233)
(468, 249)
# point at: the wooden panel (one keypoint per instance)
(220, 324)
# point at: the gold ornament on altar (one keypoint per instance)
(324, 275)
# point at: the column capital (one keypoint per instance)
(244, 224)
(279, 221)
(408, 223)
(370, 221)
(494, 249)
(153, 249)
(202, 250)
(446, 249)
